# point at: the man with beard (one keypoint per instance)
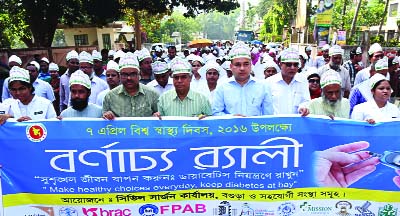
(80, 86)
(336, 54)
(72, 65)
(331, 103)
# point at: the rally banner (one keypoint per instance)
(242, 166)
(324, 12)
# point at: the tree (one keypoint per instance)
(194, 7)
(42, 16)
(218, 26)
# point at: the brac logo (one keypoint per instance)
(106, 212)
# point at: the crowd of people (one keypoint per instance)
(237, 80)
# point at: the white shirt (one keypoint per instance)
(39, 108)
(286, 98)
(98, 85)
(159, 88)
(100, 97)
(364, 74)
(42, 89)
(369, 110)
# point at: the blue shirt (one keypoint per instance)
(252, 99)
(42, 89)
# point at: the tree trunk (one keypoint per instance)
(383, 17)
(354, 22)
(343, 13)
(138, 33)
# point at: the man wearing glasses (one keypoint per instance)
(289, 89)
(131, 99)
(335, 63)
(72, 65)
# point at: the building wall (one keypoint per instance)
(70, 32)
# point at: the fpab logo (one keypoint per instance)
(67, 211)
(106, 212)
(363, 210)
(148, 210)
(286, 209)
(36, 132)
(387, 210)
(183, 209)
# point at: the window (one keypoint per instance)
(106, 41)
(393, 10)
(81, 39)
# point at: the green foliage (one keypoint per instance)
(218, 26)
(377, 39)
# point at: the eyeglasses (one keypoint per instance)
(313, 81)
(130, 75)
(296, 64)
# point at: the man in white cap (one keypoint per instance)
(331, 103)
(111, 55)
(242, 94)
(158, 52)
(182, 101)
(289, 88)
(375, 53)
(13, 60)
(131, 99)
(80, 86)
(113, 80)
(145, 60)
(163, 81)
(214, 74)
(362, 92)
(72, 65)
(98, 65)
(309, 59)
(98, 85)
(353, 65)
(44, 70)
(335, 63)
(55, 84)
(324, 59)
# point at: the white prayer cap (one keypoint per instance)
(395, 60)
(96, 55)
(266, 58)
(85, 57)
(375, 79)
(179, 65)
(269, 64)
(192, 50)
(308, 48)
(129, 60)
(336, 50)
(374, 48)
(325, 47)
(290, 55)
(239, 50)
(53, 67)
(190, 57)
(45, 60)
(304, 55)
(34, 63)
(255, 50)
(159, 67)
(226, 65)
(142, 54)
(330, 77)
(199, 59)
(111, 53)
(311, 71)
(72, 55)
(80, 78)
(15, 58)
(208, 58)
(358, 50)
(158, 49)
(17, 73)
(212, 65)
(119, 54)
(112, 65)
(382, 64)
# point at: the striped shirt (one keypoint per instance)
(142, 104)
(194, 104)
(317, 106)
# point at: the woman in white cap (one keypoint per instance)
(199, 79)
(25, 105)
(378, 109)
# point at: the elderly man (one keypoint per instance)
(72, 65)
(331, 102)
(289, 88)
(162, 81)
(335, 63)
(80, 86)
(375, 53)
(131, 99)
(113, 80)
(98, 65)
(182, 101)
(145, 60)
(98, 85)
(242, 94)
